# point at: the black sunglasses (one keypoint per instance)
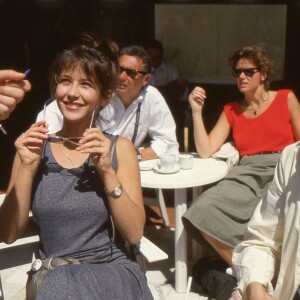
(131, 72)
(249, 72)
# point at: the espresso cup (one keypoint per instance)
(186, 161)
(168, 161)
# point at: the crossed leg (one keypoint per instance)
(223, 250)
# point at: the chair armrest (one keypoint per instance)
(150, 251)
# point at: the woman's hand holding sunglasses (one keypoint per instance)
(30, 144)
(95, 143)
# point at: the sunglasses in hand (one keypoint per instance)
(60, 139)
(132, 73)
(249, 72)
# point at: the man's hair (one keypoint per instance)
(140, 52)
(155, 44)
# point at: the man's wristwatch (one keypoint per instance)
(138, 155)
(115, 193)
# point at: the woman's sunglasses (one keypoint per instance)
(60, 139)
(132, 73)
(249, 72)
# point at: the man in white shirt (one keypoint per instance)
(135, 110)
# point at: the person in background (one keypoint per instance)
(165, 77)
(262, 124)
(136, 110)
(266, 262)
(13, 87)
(81, 185)
(162, 72)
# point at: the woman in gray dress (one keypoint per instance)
(262, 124)
(80, 184)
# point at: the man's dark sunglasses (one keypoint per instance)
(131, 72)
(249, 72)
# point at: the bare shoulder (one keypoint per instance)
(124, 142)
(292, 96)
(127, 156)
(292, 100)
(124, 145)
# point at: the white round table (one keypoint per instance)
(204, 171)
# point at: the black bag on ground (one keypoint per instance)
(211, 278)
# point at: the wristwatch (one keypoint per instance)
(138, 155)
(115, 193)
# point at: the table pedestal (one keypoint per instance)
(181, 238)
(180, 242)
(204, 171)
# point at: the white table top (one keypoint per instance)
(204, 171)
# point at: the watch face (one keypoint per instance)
(118, 191)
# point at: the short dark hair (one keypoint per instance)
(257, 56)
(98, 59)
(155, 44)
(140, 52)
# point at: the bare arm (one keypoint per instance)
(206, 144)
(294, 109)
(148, 153)
(13, 87)
(256, 291)
(128, 210)
(14, 211)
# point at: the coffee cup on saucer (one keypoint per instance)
(168, 161)
(186, 161)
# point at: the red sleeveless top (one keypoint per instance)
(270, 131)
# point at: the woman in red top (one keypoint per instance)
(262, 124)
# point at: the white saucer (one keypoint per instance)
(146, 165)
(158, 169)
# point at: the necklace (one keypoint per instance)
(255, 110)
(66, 155)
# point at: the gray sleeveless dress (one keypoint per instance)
(71, 211)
